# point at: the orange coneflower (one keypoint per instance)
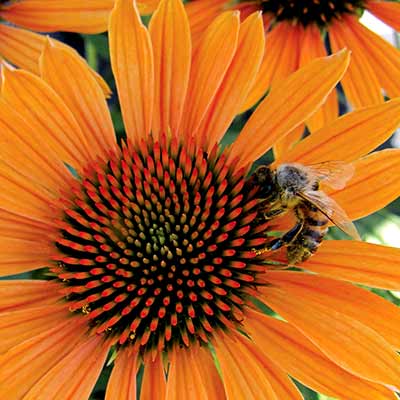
(150, 242)
(295, 35)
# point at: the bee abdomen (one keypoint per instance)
(313, 235)
(310, 221)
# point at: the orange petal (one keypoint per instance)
(18, 294)
(82, 95)
(25, 364)
(288, 105)
(17, 255)
(170, 35)
(18, 227)
(365, 129)
(153, 383)
(305, 362)
(387, 11)
(369, 309)
(376, 182)
(184, 377)
(288, 142)
(209, 66)
(360, 262)
(248, 374)
(247, 8)
(312, 46)
(360, 83)
(347, 342)
(75, 375)
(147, 6)
(20, 141)
(23, 194)
(201, 14)
(122, 382)
(281, 58)
(59, 15)
(23, 49)
(383, 57)
(21, 325)
(49, 118)
(133, 67)
(237, 81)
(210, 374)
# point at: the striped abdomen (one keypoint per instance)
(315, 227)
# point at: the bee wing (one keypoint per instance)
(333, 173)
(332, 210)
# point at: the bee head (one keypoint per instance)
(265, 178)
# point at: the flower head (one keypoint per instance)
(297, 32)
(151, 242)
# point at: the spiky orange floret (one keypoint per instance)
(156, 244)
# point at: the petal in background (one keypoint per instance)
(387, 11)
(89, 16)
(383, 57)
(281, 58)
(360, 84)
(201, 14)
(247, 8)
(288, 105)
(312, 46)
(23, 49)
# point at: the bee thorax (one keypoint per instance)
(292, 179)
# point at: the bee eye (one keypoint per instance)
(265, 190)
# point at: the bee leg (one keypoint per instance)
(273, 213)
(287, 238)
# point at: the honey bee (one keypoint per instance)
(296, 187)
